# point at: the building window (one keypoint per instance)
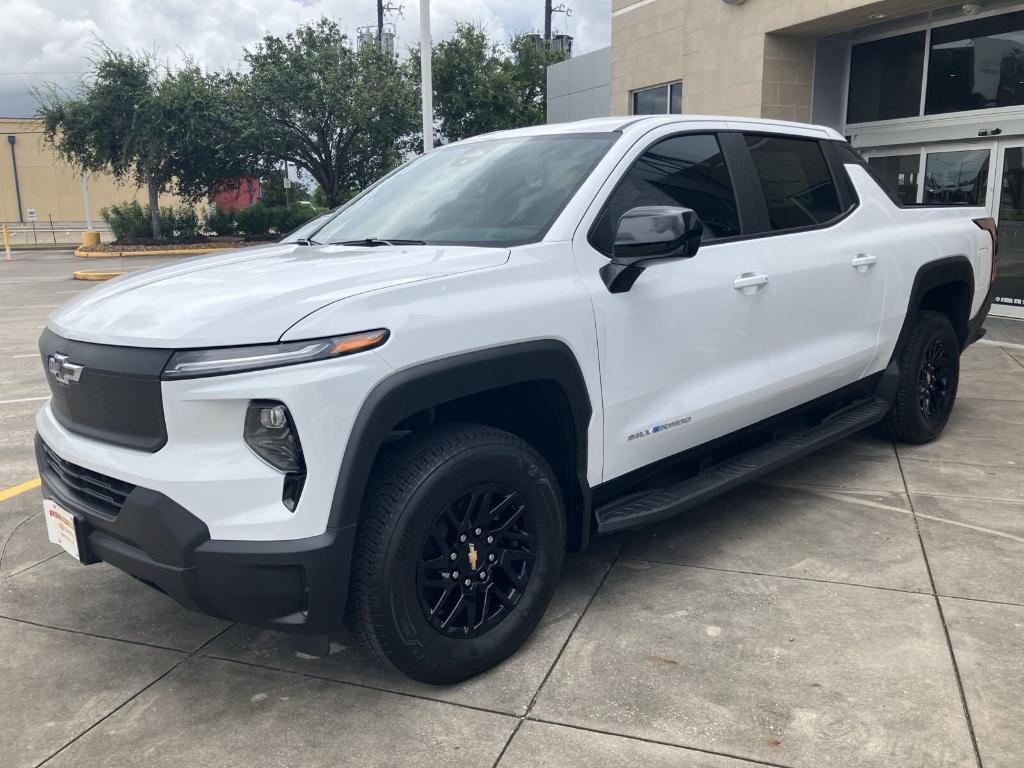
(976, 65)
(660, 100)
(899, 174)
(687, 171)
(797, 183)
(885, 79)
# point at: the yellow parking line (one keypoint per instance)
(14, 490)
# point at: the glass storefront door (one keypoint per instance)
(1009, 213)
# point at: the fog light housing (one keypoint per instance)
(270, 433)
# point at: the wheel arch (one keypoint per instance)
(945, 285)
(546, 363)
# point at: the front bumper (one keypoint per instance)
(296, 585)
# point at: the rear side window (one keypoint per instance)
(687, 171)
(796, 180)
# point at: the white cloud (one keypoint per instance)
(51, 40)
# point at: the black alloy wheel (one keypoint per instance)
(457, 553)
(929, 372)
(933, 380)
(476, 562)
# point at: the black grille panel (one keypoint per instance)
(89, 489)
(117, 398)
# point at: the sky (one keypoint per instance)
(51, 40)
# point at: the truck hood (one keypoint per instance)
(251, 296)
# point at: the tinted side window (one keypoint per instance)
(797, 184)
(687, 171)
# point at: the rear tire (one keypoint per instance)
(929, 365)
(459, 549)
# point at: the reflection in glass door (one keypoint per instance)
(1009, 212)
(958, 176)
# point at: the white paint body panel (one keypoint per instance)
(682, 344)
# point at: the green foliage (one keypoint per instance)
(259, 219)
(272, 191)
(220, 222)
(178, 130)
(185, 220)
(482, 86)
(346, 116)
(127, 220)
(131, 220)
(255, 219)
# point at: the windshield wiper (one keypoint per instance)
(374, 242)
(307, 241)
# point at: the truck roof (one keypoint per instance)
(645, 123)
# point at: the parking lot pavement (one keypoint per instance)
(864, 607)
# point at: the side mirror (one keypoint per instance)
(647, 235)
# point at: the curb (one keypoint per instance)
(97, 274)
(168, 252)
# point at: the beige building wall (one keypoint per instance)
(50, 185)
(754, 59)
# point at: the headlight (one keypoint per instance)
(193, 363)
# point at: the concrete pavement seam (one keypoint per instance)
(134, 696)
(364, 686)
(661, 743)
(942, 621)
(94, 635)
(558, 656)
(20, 571)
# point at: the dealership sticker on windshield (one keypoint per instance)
(61, 528)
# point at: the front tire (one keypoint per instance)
(929, 365)
(459, 549)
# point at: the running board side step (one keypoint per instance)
(650, 506)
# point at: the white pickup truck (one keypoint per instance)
(401, 420)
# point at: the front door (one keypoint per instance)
(1008, 210)
(684, 353)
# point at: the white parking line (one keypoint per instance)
(83, 290)
(34, 354)
(24, 400)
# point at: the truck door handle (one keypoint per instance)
(750, 282)
(862, 262)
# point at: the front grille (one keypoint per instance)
(91, 490)
(116, 398)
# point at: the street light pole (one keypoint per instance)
(85, 201)
(426, 81)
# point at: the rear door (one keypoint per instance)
(828, 279)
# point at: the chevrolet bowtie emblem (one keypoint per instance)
(472, 556)
(62, 370)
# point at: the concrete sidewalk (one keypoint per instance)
(864, 607)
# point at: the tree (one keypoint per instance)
(164, 129)
(482, 86)
(346, 116)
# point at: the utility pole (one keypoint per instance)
(426, 81)
(547, 22)
(380, 23)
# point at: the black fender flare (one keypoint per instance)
(952, 269)
(415, 389)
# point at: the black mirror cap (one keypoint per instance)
(658, 231)
(648, 234)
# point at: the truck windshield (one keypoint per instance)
(501, 192)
